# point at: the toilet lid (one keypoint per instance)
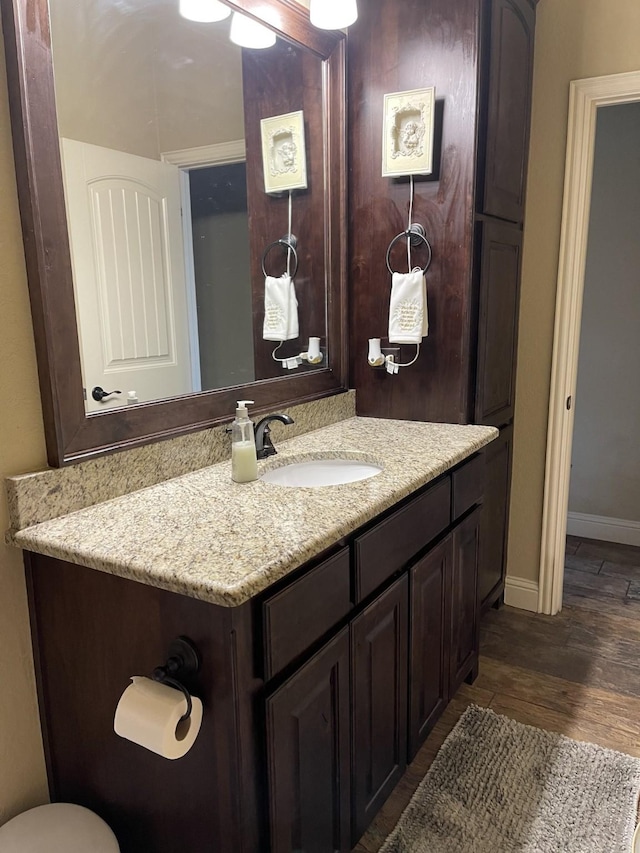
(57, 828)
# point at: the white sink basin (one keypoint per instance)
(321, 472)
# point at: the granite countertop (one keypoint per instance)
(204, 536)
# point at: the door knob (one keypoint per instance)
(100, 395)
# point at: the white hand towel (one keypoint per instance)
(408, 317)
(280, 309)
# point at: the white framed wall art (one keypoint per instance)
(284, 154)
(408, 129)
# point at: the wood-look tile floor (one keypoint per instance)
(577, 673)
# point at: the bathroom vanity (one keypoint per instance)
(334, 625)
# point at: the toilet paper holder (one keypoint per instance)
(182, 663)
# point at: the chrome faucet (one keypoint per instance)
(264, 445)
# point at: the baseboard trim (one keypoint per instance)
(618, 530)
(521, 593)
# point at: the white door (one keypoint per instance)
(125, 230)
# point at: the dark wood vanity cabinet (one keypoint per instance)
(379, 688)
(495, 517)
(309, 755)
(479, 57)
(464, 641)
(316, 695)
(429, 578)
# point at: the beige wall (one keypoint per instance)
(22, 774)
(574, 39)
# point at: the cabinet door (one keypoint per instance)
(498, 323)
(463, 647)
(379, 672)
(510, 57)
(428, 676)
(308, 754)
(495, 518)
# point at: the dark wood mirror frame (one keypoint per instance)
(71, 434)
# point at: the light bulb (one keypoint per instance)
(333, 14)
(246, 32)
(204, 11)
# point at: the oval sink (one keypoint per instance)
(321, 472)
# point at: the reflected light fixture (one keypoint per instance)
(246, 32)
(333, 14)
(204, 11)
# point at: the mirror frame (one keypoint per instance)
(71, 433)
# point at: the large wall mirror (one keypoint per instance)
(148, 227)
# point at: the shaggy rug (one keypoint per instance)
(497, 786)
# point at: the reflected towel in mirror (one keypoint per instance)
(280, 309)
(408, 316)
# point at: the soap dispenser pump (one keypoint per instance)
(244, 463)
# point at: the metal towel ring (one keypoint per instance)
(416, 235)
(287, 245)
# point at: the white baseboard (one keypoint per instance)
(599, 527)
(521, 593)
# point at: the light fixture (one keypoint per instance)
(246, 32)
(333, 14)
(204, 11)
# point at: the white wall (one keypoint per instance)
(605, 475)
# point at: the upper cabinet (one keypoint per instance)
(509, 55)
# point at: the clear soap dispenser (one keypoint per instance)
(244, 462)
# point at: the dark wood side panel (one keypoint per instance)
(511, 42)
(498, 322)
(495, 518)
(398, 46)
(464, 639)
(467, 485)
(379, 702)
(285, 79)
(304, 611)
(308, 753)
(95, 631)
(428, 637)
(392, 543)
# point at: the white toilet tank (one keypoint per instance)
(57, 828)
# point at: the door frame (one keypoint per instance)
(586, 97)
(186, 159)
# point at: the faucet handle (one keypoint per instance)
(264, 445)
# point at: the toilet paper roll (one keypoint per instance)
(149, 713)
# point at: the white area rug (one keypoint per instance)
(497, 786)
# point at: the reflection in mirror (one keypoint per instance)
(159, 124)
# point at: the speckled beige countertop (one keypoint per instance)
(204, 536)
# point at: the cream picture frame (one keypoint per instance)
(284, 154)
(408, 133)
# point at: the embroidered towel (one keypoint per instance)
(280, 309)
(408, 318)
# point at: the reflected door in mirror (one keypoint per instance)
(159, 122)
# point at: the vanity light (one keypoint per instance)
(246, 32)
(333, 14)
(204, 11)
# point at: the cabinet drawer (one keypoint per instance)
(391, 544)
(300, 614)
(467, 486)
